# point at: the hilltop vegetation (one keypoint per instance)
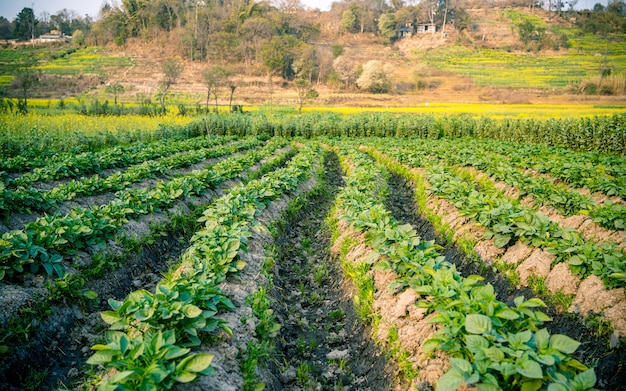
(478, 52)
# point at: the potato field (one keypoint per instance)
(317, 252)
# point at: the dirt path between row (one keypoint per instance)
(323, 344)
(610, 365)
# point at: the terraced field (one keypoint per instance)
(225, 262)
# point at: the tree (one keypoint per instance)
(616, 7)
(232, 87)
(337, 50)
(305, 92)
(255, 31)
(277, 56)
(376, 77)
(214, 78)
(529, 32)
(462, 20)
(349, 20)
(78, 37)
(25, 78)
(306, 64)
(114, 89)
(24, 24)
(6, 28)
(387, 26)
(171, 69)
(345, 70)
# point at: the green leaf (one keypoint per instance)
(557, 387)
(476, 342)
(175, 352)
(529, 368)
(115, 304)
(546, 359)
(91, 295)
(101, 357)
(119, 376)
(495, 354)
(110, 317)
(372, 257)
(531, 385)
(508, 313)
(124, 343)
(477, 324)
(191, 311)
(195, 363)
(450, 381)
(487, 387)
(185, 377)
(137, 351)
(144, 314)
(431, 345)
(575, 261)
(542, 339)
(563, 343)
(462, 365)
(500, 240)
(576, 365)
(587, 378)
(542, 317)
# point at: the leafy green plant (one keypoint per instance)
(149, 361)
(492, 345)
(152, 351)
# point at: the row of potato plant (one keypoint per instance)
(603, 173)
(74, 165)
(46, 241)
(603, 134)
(24, 199)
(491, 345)
(148, 344)
(507, 221)
(27, 161)
(38, 136)
(544, 191)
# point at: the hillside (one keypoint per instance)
(486, 62)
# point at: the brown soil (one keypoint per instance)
(319, 325)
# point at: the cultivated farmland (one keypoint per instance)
(361, 252)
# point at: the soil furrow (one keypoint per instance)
(594, 351)
(323, 344)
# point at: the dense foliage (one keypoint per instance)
(603, 134)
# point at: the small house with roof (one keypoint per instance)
(424, 28)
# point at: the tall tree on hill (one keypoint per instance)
(305, 92)
(6, 28)
(277, 57)
(24, 79)
(255, 31)
(350, 19)
(214, 78)
(171, 69)
(387, 26)
(376, 77)
(24, 24)
(345, 70)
